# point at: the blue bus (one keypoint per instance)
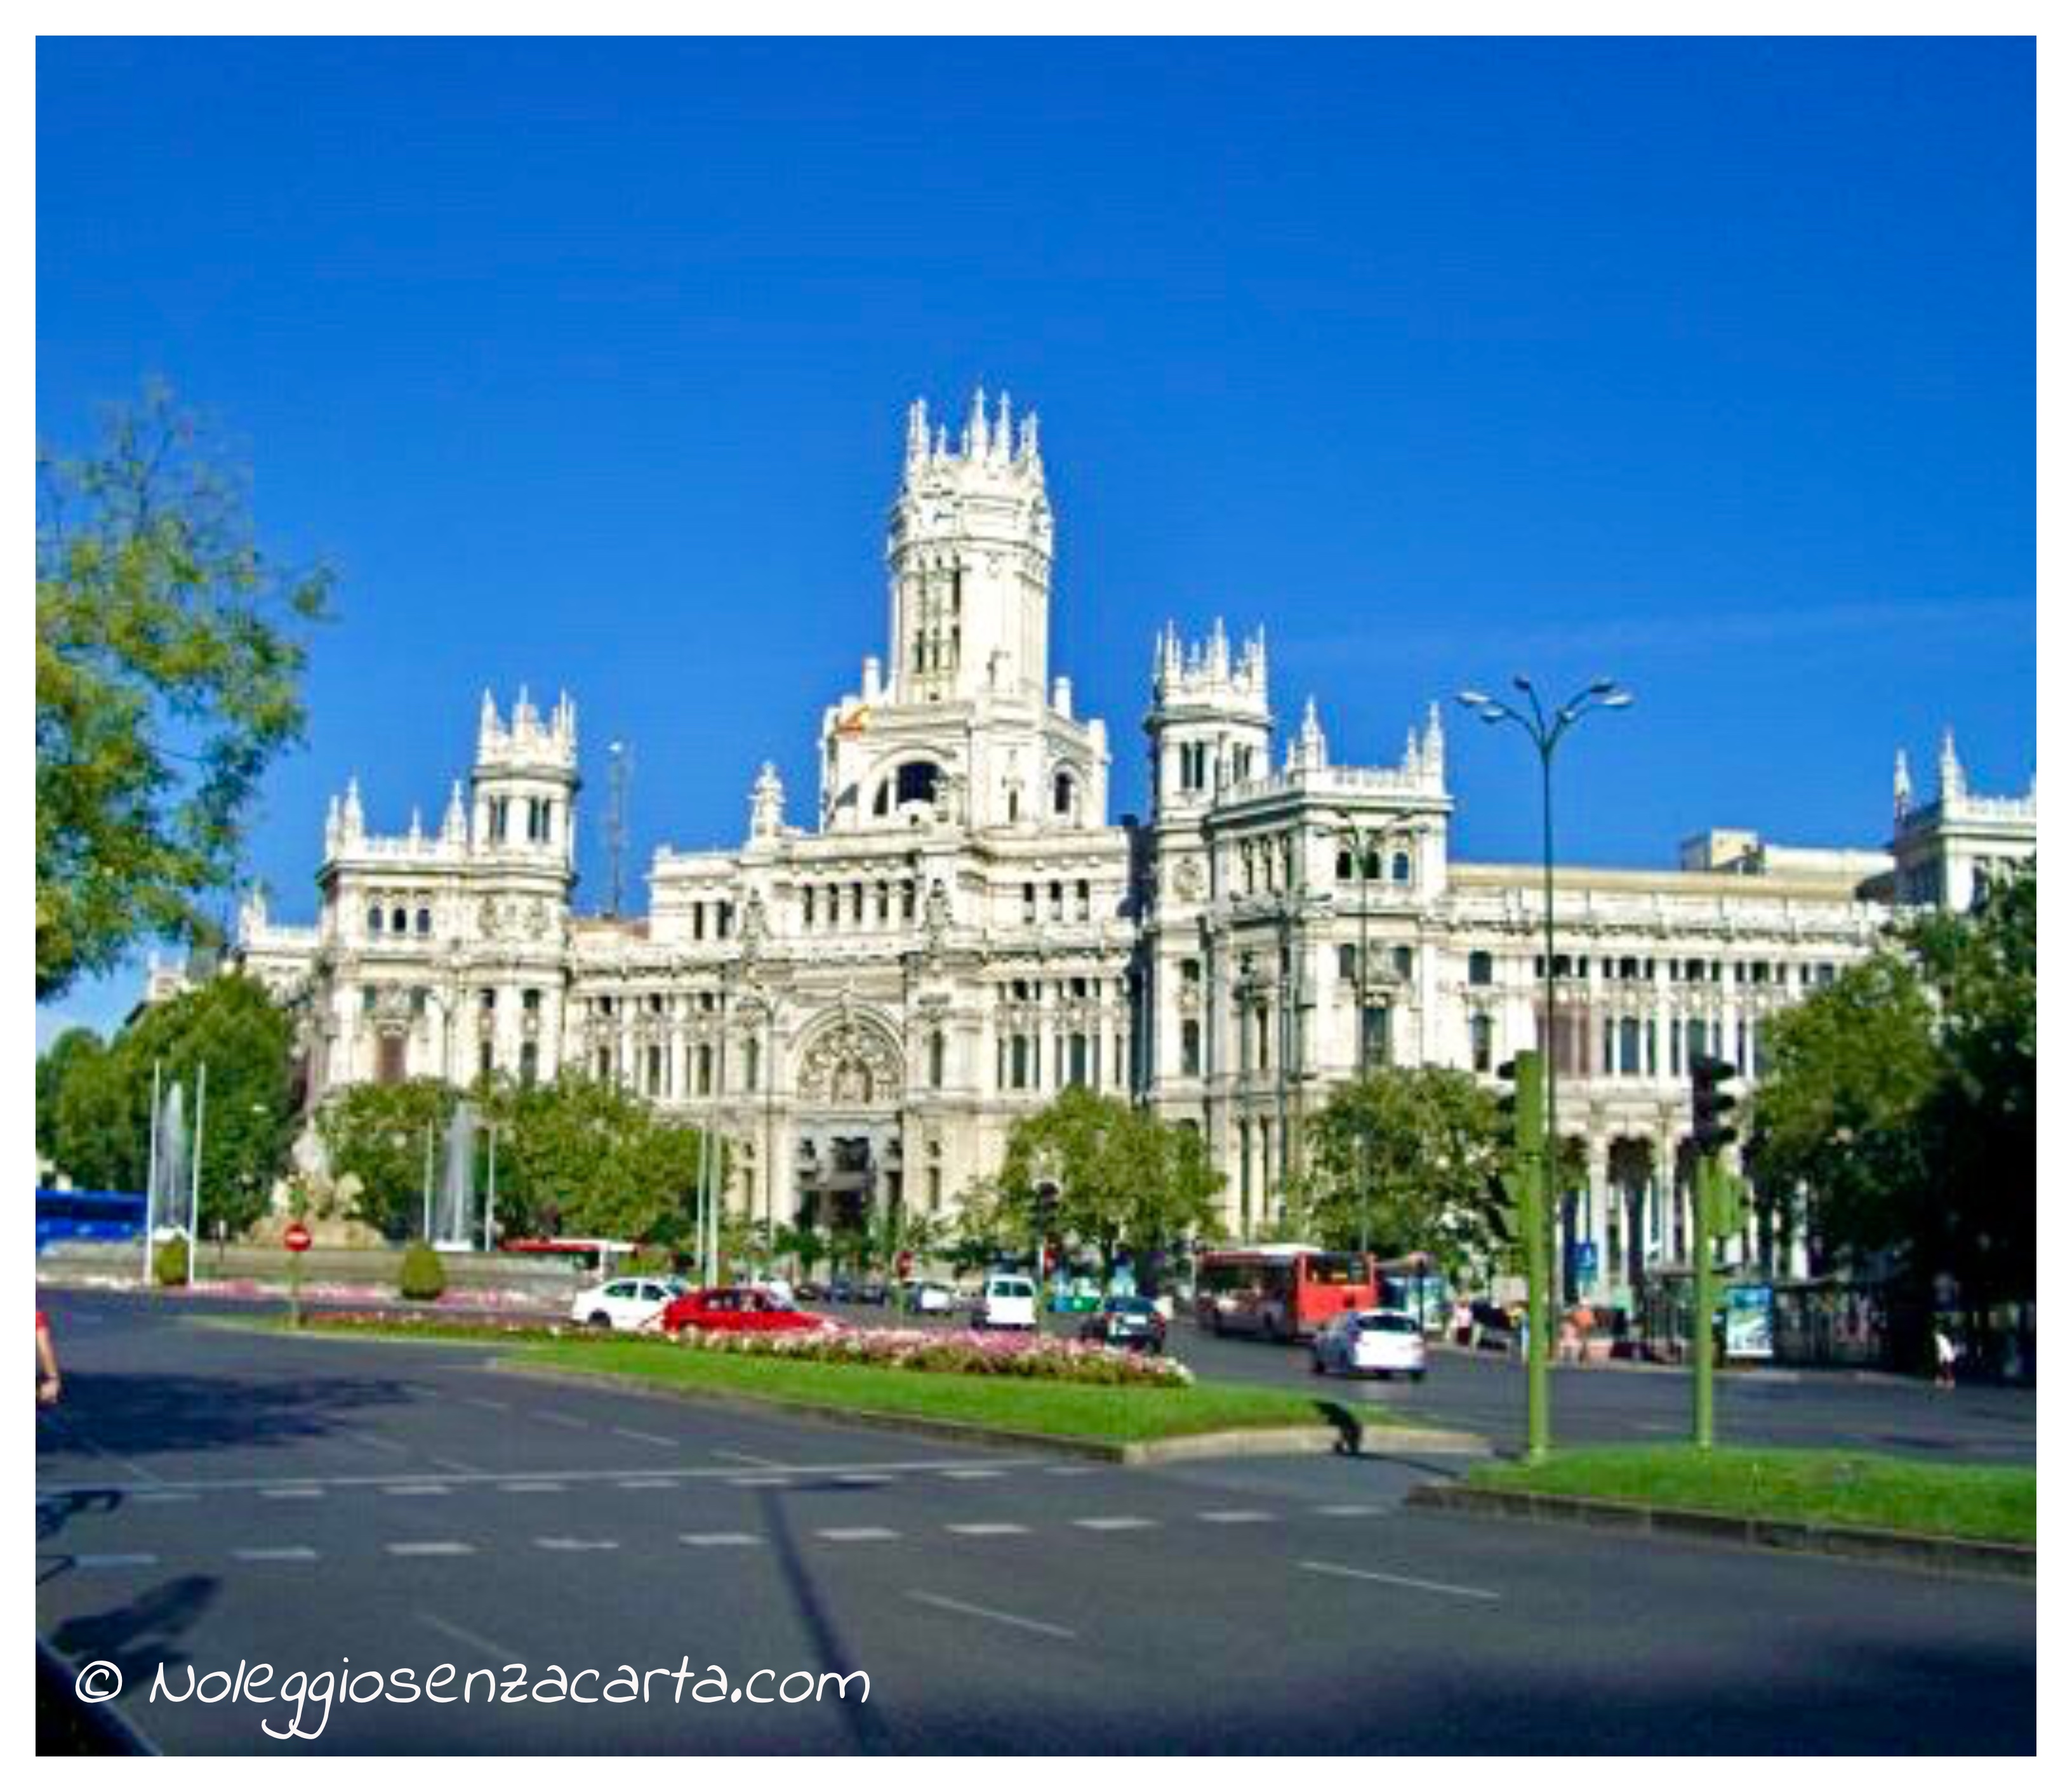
(98, 1215)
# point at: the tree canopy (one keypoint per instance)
(1410, 1156)
(93, 1103)
(1900, 1102)
(1123, 1176)
(169, 660)
(575, 1156)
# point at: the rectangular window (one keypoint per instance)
(1190, 1048)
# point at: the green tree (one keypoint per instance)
(1900, 1102)
(99, 1117)
(168, 667)
(76, 1052)
(1412, 1152)
(1123, 1176)
(588, 1158)
(378, 1133)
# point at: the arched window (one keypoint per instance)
(424, 920)
(374, 917)
(1345, 866)
(399, 921)
(1481, 1041)
(1399, 868)
(1064, 794)
(917, 779)
(938, 1054)
(751, 1065)
(1190, 1048)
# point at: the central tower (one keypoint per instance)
(969, 557)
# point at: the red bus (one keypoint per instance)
(1280, 1291)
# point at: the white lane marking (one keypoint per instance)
(431, 1549)
(753, 1461)
(958, 1605)
(759, 1481)
(648, 1487)
(488, 1646)
(162, 1499)
(718, 1540)
(973, 1474)
(857, 1534)
(291, 1493)
(575, 1543)
(644, 1436)
(1398, 1581)
(373, 1442)
(987, 1529)
(287, 1553)
(486, 1406)
(1115, 1524)
(1349, 1511)
(535, 1487)
(60, 1490)
(1071, 1468)
(139, 1560)
(451, 1465)
(1236, 1518)
(560, 1419)
(417, 1487)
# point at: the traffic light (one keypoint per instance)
(1524, 1102)
(1710, 1104)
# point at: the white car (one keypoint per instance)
(629, 1304)
(1009, 1302)
(1377, 1342)
(929, 1297)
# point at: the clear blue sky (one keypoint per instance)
(1710, 365)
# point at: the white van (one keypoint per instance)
(1007, 1301)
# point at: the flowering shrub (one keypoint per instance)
(447, 1324)
(943, 1353)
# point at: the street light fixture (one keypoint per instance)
(1545, 732)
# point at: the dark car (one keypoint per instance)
(842, 1289)
(1128, 1321)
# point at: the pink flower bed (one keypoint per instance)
(1029, 1357)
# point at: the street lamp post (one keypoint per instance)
(1545, 733)
(1359, 838)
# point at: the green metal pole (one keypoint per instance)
(1538, 1426)
(1705, 1199)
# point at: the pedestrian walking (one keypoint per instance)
(48, 1382)
(1945, 1357)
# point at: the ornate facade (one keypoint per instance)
(866, 1005)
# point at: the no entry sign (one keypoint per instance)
(297, 1237)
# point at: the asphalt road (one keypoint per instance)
(206, 1499)
(1484, 1392)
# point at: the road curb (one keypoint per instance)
(1317, 1440)
(1901, 1548)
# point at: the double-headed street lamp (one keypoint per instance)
(1545, 732)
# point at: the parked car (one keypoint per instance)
(929, 1297)
(1128, 1321)
(1082, 1294)
(1377, 1340)
(842, 1288)
(736, 1310)
(872, 1292)
(628, 1303)
(1008, 1302)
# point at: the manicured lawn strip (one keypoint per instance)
(1055, 1409)
(1834, 1487)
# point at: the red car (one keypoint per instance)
(735, 1309)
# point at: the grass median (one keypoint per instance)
(1827, 1487)
(1114, 1415)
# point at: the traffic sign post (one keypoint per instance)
(296, 1238)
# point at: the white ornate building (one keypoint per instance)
(865, 1005)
